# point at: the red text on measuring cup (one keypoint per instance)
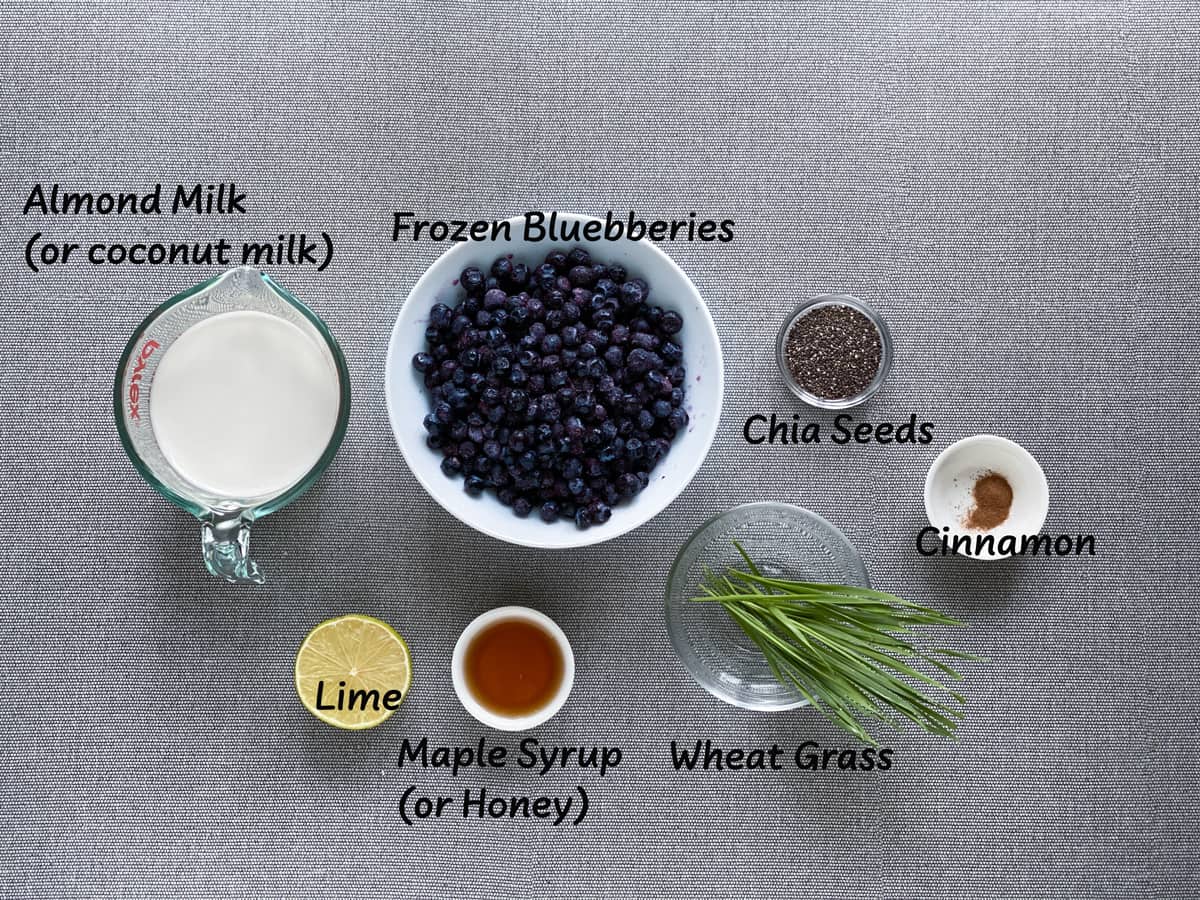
(139, 365)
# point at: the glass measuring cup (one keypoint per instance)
(225, 521)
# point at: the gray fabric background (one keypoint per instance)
(1014, 186)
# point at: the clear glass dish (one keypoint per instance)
(782, 540)
(885, 360)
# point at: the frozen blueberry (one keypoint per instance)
(452, 465)
(631, 294)
(549, 511)
(671, 322)
(474, 485)
(582, 276)
(471, 280)
(545, 277)
(579, 257)
(422, 362)
(521, 507)
(612, 451)
(641, 361)
(502, 269)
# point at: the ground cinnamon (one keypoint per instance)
(993, 499)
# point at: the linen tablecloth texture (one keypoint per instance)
(1013, 186)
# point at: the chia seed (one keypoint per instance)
(833, 352)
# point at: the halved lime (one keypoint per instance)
(353, 671)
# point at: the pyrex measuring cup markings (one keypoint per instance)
(225, 517)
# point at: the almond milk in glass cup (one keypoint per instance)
(231, 399)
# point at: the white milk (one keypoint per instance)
(244, 403)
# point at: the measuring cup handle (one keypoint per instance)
(226, 547)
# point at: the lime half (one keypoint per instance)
(353, 671)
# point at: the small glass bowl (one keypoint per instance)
(784, 541)
(885, 360)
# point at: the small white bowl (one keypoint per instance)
(458, 669)
(952, 477)
(408, 401)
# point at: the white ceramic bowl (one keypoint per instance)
(408, 402)
(953, 474)
(458, 671)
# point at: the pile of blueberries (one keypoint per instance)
(558, 386)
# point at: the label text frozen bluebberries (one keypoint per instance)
(539, 226)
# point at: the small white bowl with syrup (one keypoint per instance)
(513, 668)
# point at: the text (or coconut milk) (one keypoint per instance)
(244, 404)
